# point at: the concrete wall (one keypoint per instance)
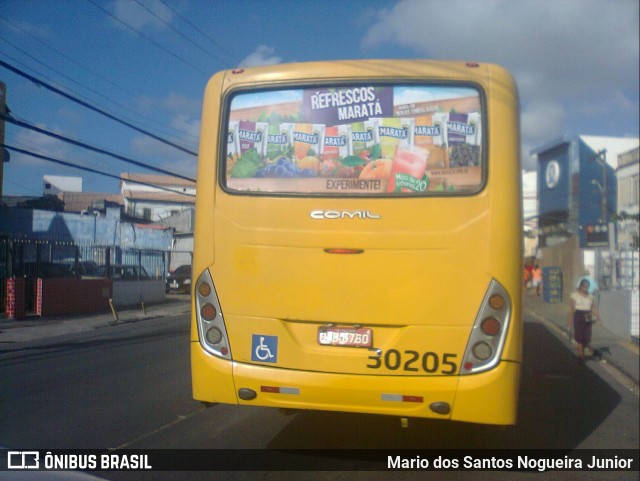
(130, 293)
(83, 229)
(569, 257)
(58, 297)
(182, 252)
(616, 309)
(635, 313)
(619, 308)
(182, 222)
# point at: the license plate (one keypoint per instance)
(345, 336)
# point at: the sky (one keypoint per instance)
(146, 62)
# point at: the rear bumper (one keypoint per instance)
(488, 398)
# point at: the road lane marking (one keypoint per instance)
(181, 418)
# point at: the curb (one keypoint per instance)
(612, 367)
(18, 332)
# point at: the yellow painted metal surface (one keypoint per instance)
(418, 283)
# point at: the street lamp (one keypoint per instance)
(603, 199)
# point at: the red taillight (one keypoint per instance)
(208, 312)
(404, 398)
(342, 250)
(412, 399)
(490, 326)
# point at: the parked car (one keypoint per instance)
(179, 280)
(46, 270)
(82, 269)
(124, 272)
(86, 268)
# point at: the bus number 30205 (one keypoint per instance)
(413, 361)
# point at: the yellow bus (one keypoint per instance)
(358, 240)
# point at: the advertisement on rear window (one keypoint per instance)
(355, 140)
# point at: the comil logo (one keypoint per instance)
(343, 214)
(23, 460)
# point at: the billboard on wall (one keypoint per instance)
(554, 194)
(596, 235)
(552, 284)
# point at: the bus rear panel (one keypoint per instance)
(358, 240)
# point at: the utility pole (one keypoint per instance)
(600, 158)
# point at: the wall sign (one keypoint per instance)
(552, 175)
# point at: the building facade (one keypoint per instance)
(54, 184)
(154, 197)
(530, 213)
(628, 174)
(581, 193)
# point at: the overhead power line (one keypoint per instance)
(63, 75)
(178, 32)
(217, 44)
(29, 126)
(148, 39)
(91, 107)
(89, 169)
(62, 54)
(85, 68)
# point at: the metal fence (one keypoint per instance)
(628, 269)
(32, 258)
(53, 259)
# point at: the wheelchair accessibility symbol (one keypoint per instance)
(264, 348)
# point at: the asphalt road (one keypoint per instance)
(128, 387)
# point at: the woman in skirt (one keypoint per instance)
(582, 315)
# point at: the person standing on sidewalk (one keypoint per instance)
(593, 285)
(537, 278)
(582, 314)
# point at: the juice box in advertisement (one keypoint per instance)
(363, 136)
(278, 139)
(407, 170)
(429, 134)
(463, 139)
(457, 128)
(307, 140)
(233, 143)
(253, 135)
(394, 133)
(475, 121)
(427, 131)
(337, 142)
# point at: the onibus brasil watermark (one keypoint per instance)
(54, 461)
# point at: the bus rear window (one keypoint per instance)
(371, 140)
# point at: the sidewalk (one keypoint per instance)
(622, 353)
(13, 332)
